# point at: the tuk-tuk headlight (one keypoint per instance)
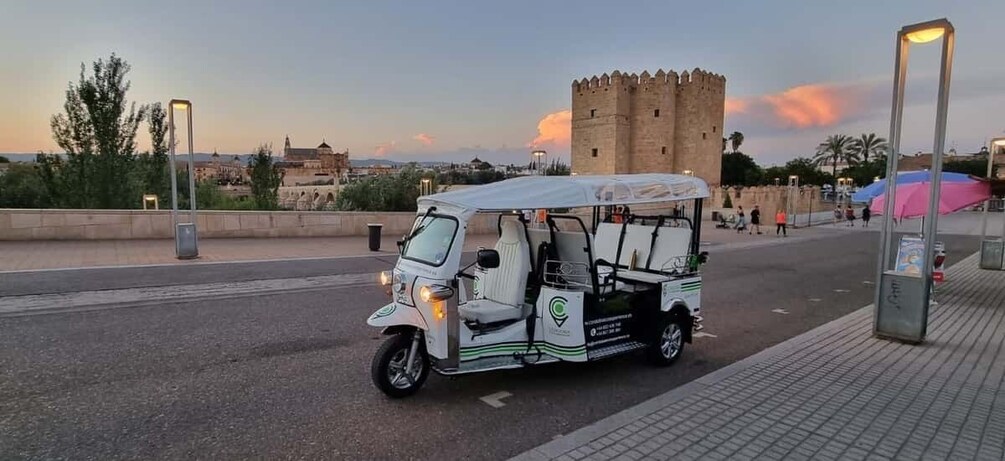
(435, 293)
(385, 278)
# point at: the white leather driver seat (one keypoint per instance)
(504, 288)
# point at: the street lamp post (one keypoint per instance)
(902, 296)
(185, 234)
(790, 200)
(992, 250)
(536, 156)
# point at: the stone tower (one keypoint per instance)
(660, 123)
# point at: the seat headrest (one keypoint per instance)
(512, 232)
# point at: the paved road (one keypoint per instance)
(285, 374)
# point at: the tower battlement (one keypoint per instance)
(705, 80)
(649, 122)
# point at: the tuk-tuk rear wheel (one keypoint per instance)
(668, 343)
(389, 364)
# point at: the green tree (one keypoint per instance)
(558, 168)
(739, 169)
(21, 186)
(384, 193)
(868, 145)
(835, 150)
(727, 202)
(265, 178)
(736, 140)
(807, 171)
(975, 167)
(98, 134)
(864, 174)
(4, 159)
(153, 172)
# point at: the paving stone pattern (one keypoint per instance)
(839, 393)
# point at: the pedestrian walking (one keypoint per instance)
(741, 220)
(849, 214)
(838, 215)
(781, 221)
(755, 220)
(866, 216)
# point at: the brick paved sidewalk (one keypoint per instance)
(834, 393)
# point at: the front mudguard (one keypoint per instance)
(393, 315)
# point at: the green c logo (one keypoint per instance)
(557, 310)
(384, 311)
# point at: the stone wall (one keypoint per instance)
(18, 224)
(769, 198)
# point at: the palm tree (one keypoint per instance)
(736, 138)
(869, 144)
(834, 150)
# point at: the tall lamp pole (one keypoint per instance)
(538, 155)
(902, 298)
(992, 250)
(185, 234)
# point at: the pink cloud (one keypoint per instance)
(425, 139)
(554, 129)
(384, 148)
(804, 106)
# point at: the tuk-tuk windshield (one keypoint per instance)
(431, 239)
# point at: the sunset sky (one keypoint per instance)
(448, 80)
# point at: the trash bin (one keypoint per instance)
(374, 236)
(715, 216)
(186, 243)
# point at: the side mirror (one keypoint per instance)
(488, 259)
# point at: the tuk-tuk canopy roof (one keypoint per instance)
(535, 192)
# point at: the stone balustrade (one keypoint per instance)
(32, 224)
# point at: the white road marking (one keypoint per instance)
(174, 293)
(780, 311)
(815, 300)
(702, 334)
(841, 290)
(868, 282)
(495, 400)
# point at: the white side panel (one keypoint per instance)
(686, 290)
(562, 317)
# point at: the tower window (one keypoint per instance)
(656, 113)
(663, 150)
(594, 152)
(593, 112)
(704, 135)
(713, 128)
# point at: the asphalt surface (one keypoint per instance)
(286, 374)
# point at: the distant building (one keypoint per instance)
(225, 172)
(305, 166)
(923, 160)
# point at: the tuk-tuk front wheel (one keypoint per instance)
(668, 345)
(389, 369)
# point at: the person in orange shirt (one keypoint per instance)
(542, 217)
(780, 222)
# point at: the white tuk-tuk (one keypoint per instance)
(558, 290)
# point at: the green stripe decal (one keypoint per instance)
(520, 347)
(518, 344)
